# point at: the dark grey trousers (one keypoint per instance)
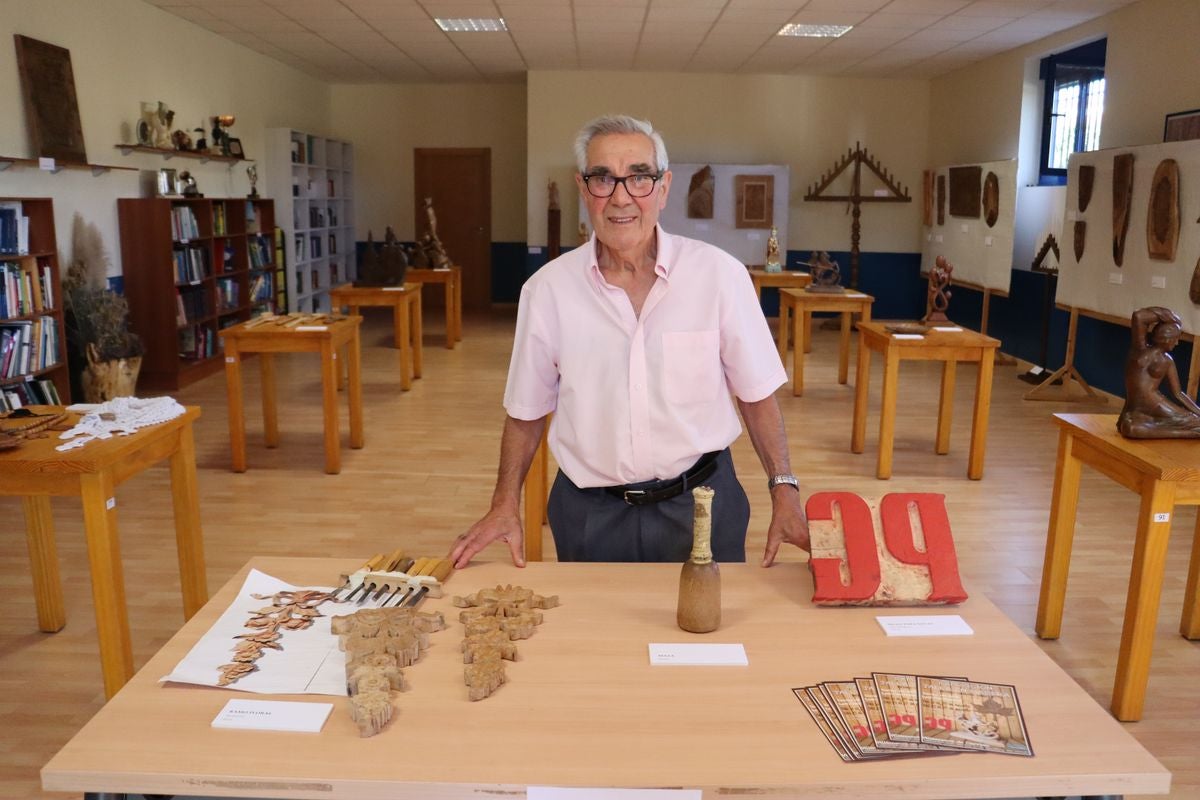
(593, 525)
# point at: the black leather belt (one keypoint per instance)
(641, 494)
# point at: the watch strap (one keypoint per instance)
(790, 480)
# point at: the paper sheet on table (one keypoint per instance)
(309, 663)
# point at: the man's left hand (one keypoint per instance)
(788, 523)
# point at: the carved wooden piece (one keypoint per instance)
(1087, 179)
(1050, 245)
(700, 194)
(1122, 191)
(754, 201)
(939, 290)
(875, 557)
(927, 198)
(1080, 238)
(1155, 406)
(492, 619)
(991, 199)
(1162, 216)
(941, 199)
(288, 611)
(1194, 286)
(964, 191)
(699, 607)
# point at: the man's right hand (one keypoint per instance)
(499, 523)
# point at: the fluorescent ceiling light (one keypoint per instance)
(471, 25)
(820, 31)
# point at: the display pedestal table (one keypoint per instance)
(36, 471)
(452, 279)
(405, 302)
(266, 340)
(1165, 473)
(799, 305)
(949, 347)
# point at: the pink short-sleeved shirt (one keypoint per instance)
(640, 398)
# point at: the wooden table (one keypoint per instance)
(800, 304)
(37, 471)
(1165, 473)
(452, 279)
(405, 302)
(583, 707)
(787, 279)
(946, 346)
(268, 339)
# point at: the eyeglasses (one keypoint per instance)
(640, 184)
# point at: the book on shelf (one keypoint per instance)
(260, 289)
(227, 258)
(14, 228)
(227, 294)
(330, 188)
(184, 227)
(300, 247)
(23, 291)
(41, 392)
(219, 221)
(333, 218)
(191, 265)
(314, 246)
(253, 218)
(316, 280)
(260, 253)
(332, 244)
(196, 343)
(193, 304)
(29, 345)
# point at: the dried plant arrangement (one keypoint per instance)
(290, 611)
(492, 619)
(379, 643)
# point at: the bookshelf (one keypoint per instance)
(33, 352)
(193, 267)
(312, 181)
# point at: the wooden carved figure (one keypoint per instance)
(826, 275)
(872, 559)
(939, 290)
(291, 611)
(492, 619)
(1148, 413)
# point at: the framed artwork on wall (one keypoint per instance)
(754, 201)
(1181, 126)
(51, 107)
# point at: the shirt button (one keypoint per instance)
(637, 386)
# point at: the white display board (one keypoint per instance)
(748, 245)
(980, 255)
(1094, 282)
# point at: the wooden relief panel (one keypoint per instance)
(927, 198)
(1087, 178)
(1162, 217)
(700, 194)
(941, 199)
(1122, 191)
(965, 183)
(51, 108)
(991, 199)
(1080, 238)
(755, 201)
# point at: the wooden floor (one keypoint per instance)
(427, 472)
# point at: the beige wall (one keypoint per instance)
(805, 122)
(387, 122)
(126, 51)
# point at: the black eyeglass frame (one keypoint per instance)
(654, 179)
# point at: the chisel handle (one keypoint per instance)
(393, 561)
(443, 569)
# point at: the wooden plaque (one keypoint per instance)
(755, 195)
(51, 108)
(1122, 192)
(991, 199)
(700, 194)
(941, 199)
(1194, 286)
(1080, 238)
(1162, 217)
(964, 191)
(927, 198)
(1087, 178)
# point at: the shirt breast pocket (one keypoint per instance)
(692, 371)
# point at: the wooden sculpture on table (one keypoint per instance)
(939, 290)
(872, 558)
(1148, 413)
(826, 275)
(894, 192)
(772, 263)
(492, 619)
(385, 266)
(432, 252)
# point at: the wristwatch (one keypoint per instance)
(790, 480)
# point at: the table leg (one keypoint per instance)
(108, 580)
(329, 381)
(354, 359)
(1064, 501)
(1141, 604)
(266, 364)
(781, 337)
(844, 349)
(800, 336)
(402, 328)
(979, 422)
(535, 501)
(887, 411)
(237, 418)
(945, 407)
(418, 333)
(450, 312)
(399, 301)
(1189, 624)
(189, 541)
(458, 322)
(858, 430)
(43, 563)
(808, 331)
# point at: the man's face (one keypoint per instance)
(622, 222)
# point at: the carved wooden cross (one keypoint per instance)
(858, 157)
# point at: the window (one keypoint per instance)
(1073, 107)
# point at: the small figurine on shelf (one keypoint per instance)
(201, 142)
(162, 127)
(772, 263)
(187, 182)
(252, 174)
(220, 134)
(181, 140)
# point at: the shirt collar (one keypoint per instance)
(662, 265)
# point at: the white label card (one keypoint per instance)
(925, 625)
(47, 164)
(110, 503)
(393, 288)
(907, 336)
(312, 328)
(575, 793)
(273, 715)
(230, 360)
(1162, 516)
(947, 328)
(698, 655)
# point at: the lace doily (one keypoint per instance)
(120, 416)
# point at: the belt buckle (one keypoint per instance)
(635, 493)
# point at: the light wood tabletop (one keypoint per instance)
(1165, 473)
(37, 471)
(787, 278)
(583, 706)
(405, 302)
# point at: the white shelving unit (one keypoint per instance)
(311, 179)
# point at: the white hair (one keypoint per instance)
(618, 123)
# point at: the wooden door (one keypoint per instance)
(460, 182)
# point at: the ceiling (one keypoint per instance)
(397, 41)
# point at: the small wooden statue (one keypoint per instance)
(772, 262)
(826, 275)
(384, 266)
(939, 291)
(1148, 413)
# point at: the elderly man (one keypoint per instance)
(635, 342)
